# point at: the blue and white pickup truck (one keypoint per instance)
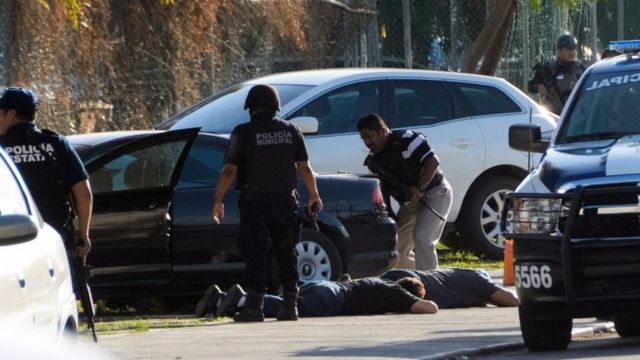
(575, 219)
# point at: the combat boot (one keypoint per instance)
(289, 311)
(252, 310)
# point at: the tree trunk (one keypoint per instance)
(493, 53)
(502, 11)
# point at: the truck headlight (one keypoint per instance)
(534, 215)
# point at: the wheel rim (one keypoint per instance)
(490, 217)
(313, 261)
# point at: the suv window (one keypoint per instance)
(12, 199)
(202, 166)
(606, 107)
(421, 103)
(339, 110)
(484, 100)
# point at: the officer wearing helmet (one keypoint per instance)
(263, 156)
(555, 79)
(50, 167)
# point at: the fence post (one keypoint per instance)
(620, 19)
(594, 31)
(526, 60)
(406, 21)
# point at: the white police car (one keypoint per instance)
(35, 282)
(575, 219)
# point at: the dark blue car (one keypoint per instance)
(152, 232)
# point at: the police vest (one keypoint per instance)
(39, 154)
(270, 149)
(564, 76)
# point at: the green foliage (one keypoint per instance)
(537, 4)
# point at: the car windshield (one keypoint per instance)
(222, 112)
(606, 107)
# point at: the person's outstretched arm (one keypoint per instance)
(424, 307)
(503, 297)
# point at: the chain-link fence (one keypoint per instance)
(132, 63)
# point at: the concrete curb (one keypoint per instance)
(511, 346)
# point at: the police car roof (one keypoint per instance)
(624, 62)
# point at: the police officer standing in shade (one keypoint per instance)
(555, 79)
(51, 168)
(410, 172)
(262, 156)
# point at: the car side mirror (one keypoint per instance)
(527, 137)
(307, 124)
(15, 229)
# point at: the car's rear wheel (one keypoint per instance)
(318, 257)
(545, 334)
(480, 216)
(627, 325)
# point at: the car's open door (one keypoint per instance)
(133, 185)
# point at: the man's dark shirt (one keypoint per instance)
(49, 166)
(403, 156)
(376, 296)
(266, 150)
(452, 287)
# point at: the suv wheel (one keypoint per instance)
(627, 325)
(545, 334)
(480, 217)
(318, 257)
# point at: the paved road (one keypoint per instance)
(454, 331)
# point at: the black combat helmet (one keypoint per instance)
(263, 95)
(567, 41)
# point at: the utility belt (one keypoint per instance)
(253, 193)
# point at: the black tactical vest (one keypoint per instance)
(39, 154)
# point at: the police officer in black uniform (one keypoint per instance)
(262, 156)
(555, 79)
(50, 167)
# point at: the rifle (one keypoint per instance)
(83, 273)
(553, 100)
(398, 189)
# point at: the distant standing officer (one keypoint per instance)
(421, 188)
(555, 79)
(51, 168)
(264, 154)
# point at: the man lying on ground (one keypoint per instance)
(458, 287)
(366, 296)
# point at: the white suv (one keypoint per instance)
(465, 118)
(35, 282)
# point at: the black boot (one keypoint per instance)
(289, 311)
(252, 310)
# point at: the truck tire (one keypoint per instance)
(627, 325)
(318, 257)
(545, 334)
(479, 224)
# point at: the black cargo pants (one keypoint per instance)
(268, 223)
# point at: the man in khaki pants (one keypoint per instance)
(410, 172)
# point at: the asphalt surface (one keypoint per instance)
(449, 334)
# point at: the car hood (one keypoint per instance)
(597, 159)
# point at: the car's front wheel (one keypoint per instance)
(545, 334)
(318, 257)
(480, 216)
